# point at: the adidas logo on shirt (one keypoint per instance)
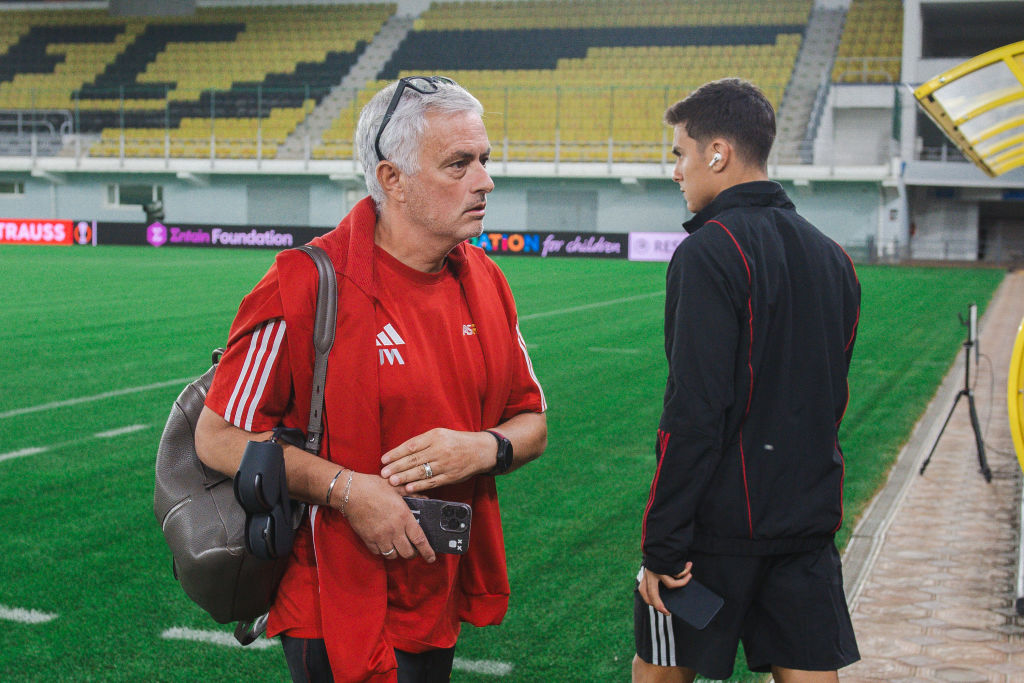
(388, 340)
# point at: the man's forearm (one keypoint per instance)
(220, 446)
(528, 433)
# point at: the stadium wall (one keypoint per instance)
(850, 212)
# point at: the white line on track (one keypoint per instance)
(601, 349)
(483, 666)
(21, 453)
(216, 638)
(224, 639)
(95, 397)
(110, 433)
(120, 431)
(25, 616)
(181, 382)
(587, 307)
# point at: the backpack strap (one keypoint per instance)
(323, 339)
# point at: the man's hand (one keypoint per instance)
(649, 586)
(383, 520)
(438, 457)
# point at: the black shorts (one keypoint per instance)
(308, 663)
(789, 611)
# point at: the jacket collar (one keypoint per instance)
(360, 224)
(757, 193)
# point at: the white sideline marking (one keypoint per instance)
(600, 349)
(483, 666)
(33, 450)
(181, 382)
(216, 638)
(25, 616)
(95, 397)
(21, 453)
(587, 307)
(110, 433)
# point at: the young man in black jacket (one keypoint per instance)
(760, 318)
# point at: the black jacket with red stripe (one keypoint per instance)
(761, 315)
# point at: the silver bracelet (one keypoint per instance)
(348, 488)
(330, 488)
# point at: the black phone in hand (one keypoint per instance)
(446, 524)
(694, 603)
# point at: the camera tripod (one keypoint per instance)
(969, 393)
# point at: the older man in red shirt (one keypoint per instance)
(430, 390)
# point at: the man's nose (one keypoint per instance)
(483, 182)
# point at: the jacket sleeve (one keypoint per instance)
(706, 312)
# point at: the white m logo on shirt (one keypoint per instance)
(388, 339)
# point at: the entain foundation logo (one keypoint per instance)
(156, 234)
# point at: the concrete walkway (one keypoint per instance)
(931, 567)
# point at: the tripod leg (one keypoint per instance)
(934, 445)
(977, 438)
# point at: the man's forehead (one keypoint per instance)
(455, 128)
(679, 134)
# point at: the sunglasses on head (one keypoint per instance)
(421, 84)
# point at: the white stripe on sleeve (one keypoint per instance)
(258, 365)
(529, 366)
(267, 367)
(253, 341)
(264, 336)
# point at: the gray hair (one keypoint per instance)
(400, 142)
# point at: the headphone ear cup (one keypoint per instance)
(259, 535)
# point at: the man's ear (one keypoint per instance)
(391, 180)
(718, 154)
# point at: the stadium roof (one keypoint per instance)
(979, 105)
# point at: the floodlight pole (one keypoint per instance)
(969, 393)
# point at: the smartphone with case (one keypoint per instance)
(694, 603)
(445, 523)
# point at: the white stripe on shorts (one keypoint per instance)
(663, 640)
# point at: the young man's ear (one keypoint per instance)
(718, 154)
(391, 180)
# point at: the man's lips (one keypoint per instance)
(476, 210)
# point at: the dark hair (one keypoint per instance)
(730, 108)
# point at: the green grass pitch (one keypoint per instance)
(79, 539)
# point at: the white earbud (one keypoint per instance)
(715, 159)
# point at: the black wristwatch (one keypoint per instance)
(504, 463)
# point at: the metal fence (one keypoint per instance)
(527, 122)
(542, 123)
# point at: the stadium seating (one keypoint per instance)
(164, 80)
(871, 46)
(574, 80)
(585, 73)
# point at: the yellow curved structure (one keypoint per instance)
(1015, 394)
(979, 105)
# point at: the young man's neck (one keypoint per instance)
(739, 174)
